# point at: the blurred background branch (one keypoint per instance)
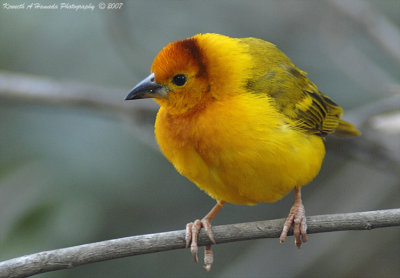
(377, 26)
(30, 89)
(137, 245)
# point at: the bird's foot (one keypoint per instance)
(192, 233)
(298, 217)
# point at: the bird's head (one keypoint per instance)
(186, 75)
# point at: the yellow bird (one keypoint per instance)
(242, 122)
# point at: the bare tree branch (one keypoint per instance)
(136, 245)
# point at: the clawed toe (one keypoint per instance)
(208, 258)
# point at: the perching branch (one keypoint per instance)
(136, 245)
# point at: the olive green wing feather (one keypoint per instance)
(294, 95)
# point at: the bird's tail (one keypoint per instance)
(346, 129)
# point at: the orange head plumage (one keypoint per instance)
(188, 74)
(181, 67)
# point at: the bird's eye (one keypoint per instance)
(179, 79)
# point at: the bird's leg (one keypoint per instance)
(298, 217)
(192, 232)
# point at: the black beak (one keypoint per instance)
(148, 88)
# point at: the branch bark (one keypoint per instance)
(136, 245)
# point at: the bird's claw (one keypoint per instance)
(191, 237)
(208, 258)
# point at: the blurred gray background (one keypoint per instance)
(73, 174)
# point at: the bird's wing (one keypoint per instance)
(310, 110)
(294, 95)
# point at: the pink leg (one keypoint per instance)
(192, 232)
(298, 217)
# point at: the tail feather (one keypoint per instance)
(346, 129)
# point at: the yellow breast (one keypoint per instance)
(240, 150)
